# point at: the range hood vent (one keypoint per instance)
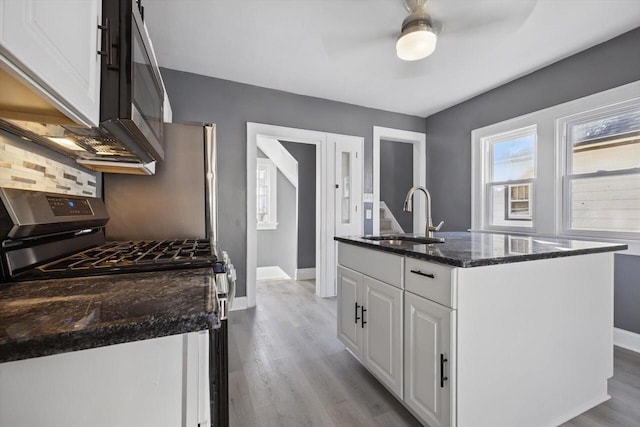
(131, 168)
(25, 113)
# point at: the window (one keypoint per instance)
(570, 170)
(519, 204)
(602, 173)
(511, 168)
(266, 175)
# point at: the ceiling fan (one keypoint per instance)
(417, 38)
(428, 23)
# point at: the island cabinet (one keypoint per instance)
(53, 45)
(428, 359)
(371, 316)
(513, 343)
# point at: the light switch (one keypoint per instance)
(368, 213)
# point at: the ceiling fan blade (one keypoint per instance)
(457, 18)
(336, 45)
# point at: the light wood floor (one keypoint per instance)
(287, 368)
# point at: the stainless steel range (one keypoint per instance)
(48, 235)
(162, 222)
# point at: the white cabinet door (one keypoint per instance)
(140, 384)
(382, 343)
(349, 309)
(55, 43)
(429, 360)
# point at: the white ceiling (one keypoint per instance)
(344, 50)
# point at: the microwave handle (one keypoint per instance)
(108, 44)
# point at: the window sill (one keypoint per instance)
(634, 245)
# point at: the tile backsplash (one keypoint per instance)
(21, 168)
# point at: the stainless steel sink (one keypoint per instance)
(401, 239)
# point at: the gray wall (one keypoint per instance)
(231, 105)
(396, 178)
(602, 67)
(305, 154)
(278, 247)
(608, 65)
(627, 293)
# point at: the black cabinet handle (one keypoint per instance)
(356, 313)
(364, 322)
(430, 275)
(442, 377)
(108, 52)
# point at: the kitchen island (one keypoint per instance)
(483, 329)
(107, 350)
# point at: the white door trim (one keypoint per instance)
(331, 253)
(295, 135)
(419, 141)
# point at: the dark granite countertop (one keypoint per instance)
(474, 249)
(45, 317)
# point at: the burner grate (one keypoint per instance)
(133, 254)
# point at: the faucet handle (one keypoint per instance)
(438, 227)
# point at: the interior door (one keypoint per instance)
(348, 186)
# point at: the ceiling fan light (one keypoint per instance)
(416, 43)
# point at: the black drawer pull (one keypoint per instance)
(357, 318)
(442, 377)
(430, 275)
(363, 322)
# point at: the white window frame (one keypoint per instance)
(550, 164)
(272, 173)
(487, 183)
(563, 125)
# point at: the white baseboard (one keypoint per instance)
(305, 273)
(239, 303)
(271, 273)
(626, 339)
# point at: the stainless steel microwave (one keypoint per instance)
(131, 92)
(129, 136)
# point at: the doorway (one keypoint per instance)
(286, 210)
(277, 212)
(386, 139)
(325, 197)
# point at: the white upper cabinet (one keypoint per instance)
(54, 44)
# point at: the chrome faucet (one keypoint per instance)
(408, 207)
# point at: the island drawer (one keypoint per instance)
(380, 265)
(430, 280)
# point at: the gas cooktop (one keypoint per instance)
(128, 256)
